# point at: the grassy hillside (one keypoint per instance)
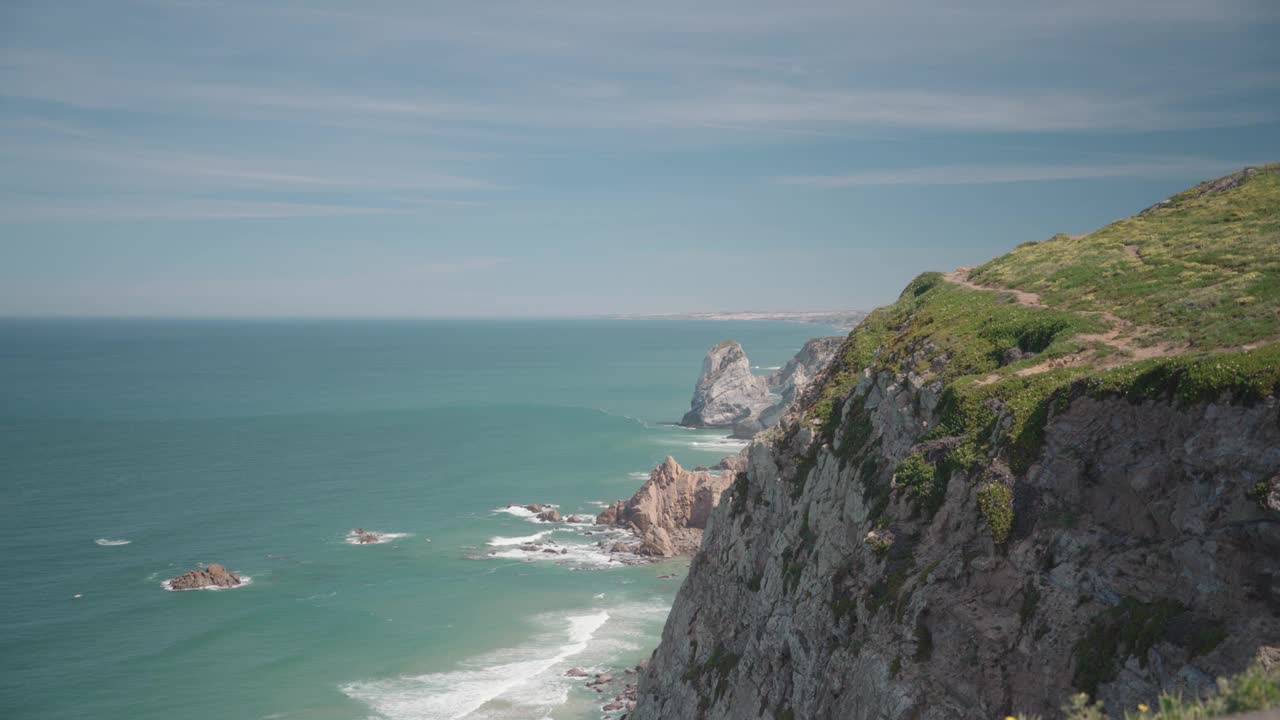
(1200, 269)
(1180, 302)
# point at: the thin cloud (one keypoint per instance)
(996, 174)
(168, 209)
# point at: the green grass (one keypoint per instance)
(995, 502)
(1204, 270)
(1254, 689)
(1199, 256)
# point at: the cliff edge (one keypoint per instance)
(1056, 472)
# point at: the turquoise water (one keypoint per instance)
(261, 444)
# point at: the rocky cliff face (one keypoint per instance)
(1136, 552)
(793, 378)
(669, 512)
(727, 392)
(1055, 472)
(789, 382)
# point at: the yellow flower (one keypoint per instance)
(1010, 717)
(1142, 707)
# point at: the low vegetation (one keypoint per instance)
(1196, 278)
(1254, 689)
(995, 502)
(1201, 270)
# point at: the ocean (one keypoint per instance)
(134, 450)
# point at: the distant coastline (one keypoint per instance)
(846, 319)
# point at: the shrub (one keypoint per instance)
(995, 501)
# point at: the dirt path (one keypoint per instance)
(1121, 337)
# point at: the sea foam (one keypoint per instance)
(524, 681)
(105, 542)
(499, 541)
(353, 537)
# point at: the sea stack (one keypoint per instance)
(669, 512)
(727, 392)
(213, 576)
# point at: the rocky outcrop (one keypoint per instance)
(213, 576)
(727, 392)
(1135, 550)
(789, 382)
(669, 512)
(791, 379)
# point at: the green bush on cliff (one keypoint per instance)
(921, 482)
(995, 502)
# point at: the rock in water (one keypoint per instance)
(792, 379)
(727, 392)
(789, 382)
(214, 575)
(669, 512)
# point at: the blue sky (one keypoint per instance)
(257, 158)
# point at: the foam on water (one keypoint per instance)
(524, 681)
(563, 554)
(499, 541)
(516, 510)
(353, 537)
(639, 475)
(105, 542)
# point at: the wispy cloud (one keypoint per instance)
(995, 174)
(161, 209)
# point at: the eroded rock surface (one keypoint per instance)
(1143, 554)
(214, 575)
(669, 512)
(727, 392)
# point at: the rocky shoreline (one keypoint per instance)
(604, 682)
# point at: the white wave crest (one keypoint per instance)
(573, 554)
(353, 537)
(106, 542)
(525, 681)
(499, 541)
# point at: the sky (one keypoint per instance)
(406, 159)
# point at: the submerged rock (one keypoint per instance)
(214, 575)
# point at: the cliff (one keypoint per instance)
(1057, 472)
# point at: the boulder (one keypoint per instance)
(549, 515)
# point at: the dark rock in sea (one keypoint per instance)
(575, 672)
(214, 575)
(550, 515)
(366, 537)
